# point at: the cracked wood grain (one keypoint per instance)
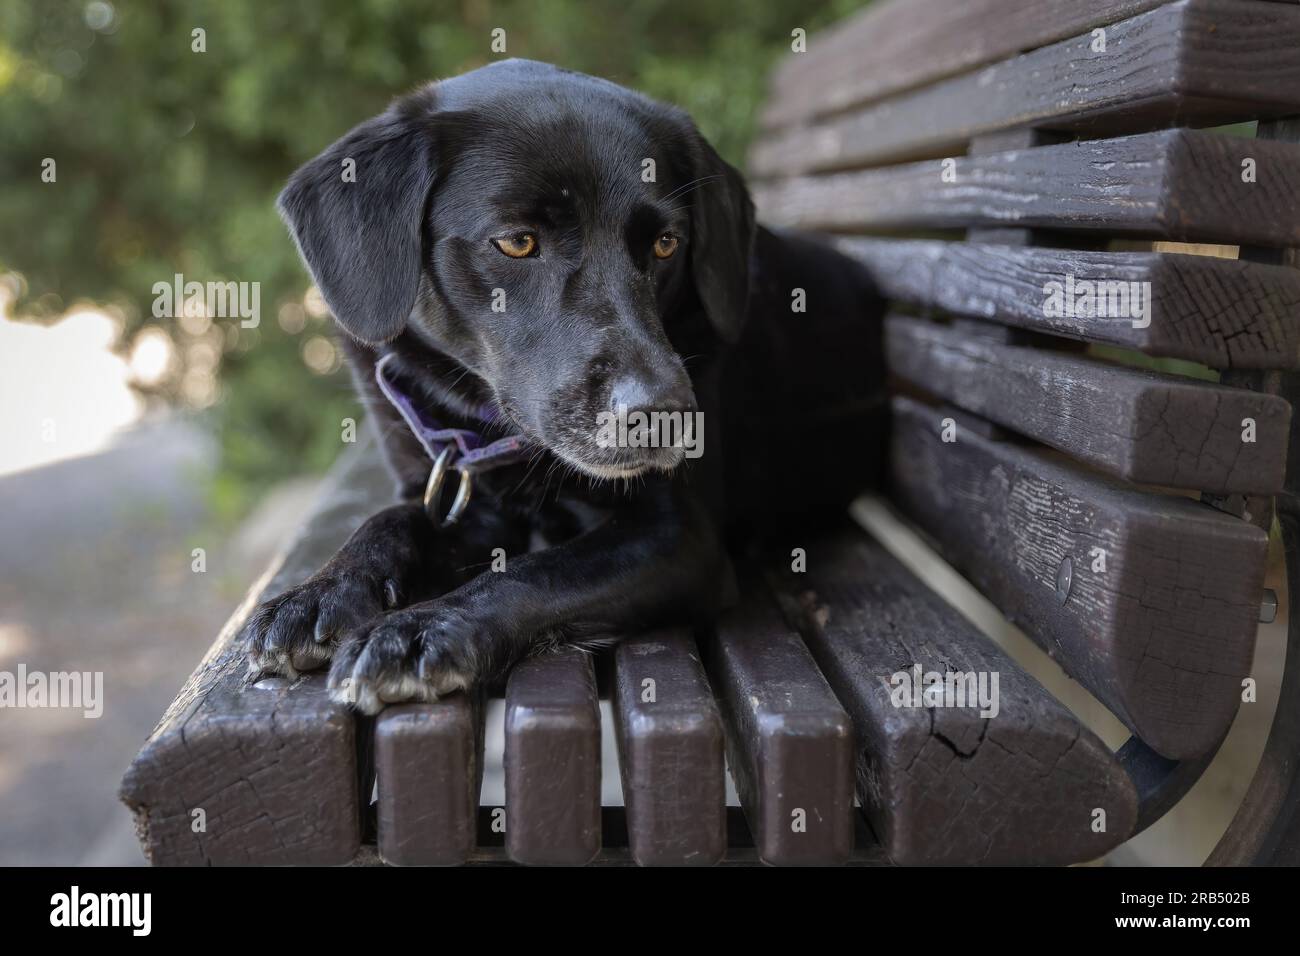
(900, 44)
(945, 785)
(1224, 313)
(1176, 184)
(1163, 636)
(1133, 424)
(1191, 63)
(1266, 828)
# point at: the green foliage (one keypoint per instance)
(169, 160)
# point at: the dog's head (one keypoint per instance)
(546, 230)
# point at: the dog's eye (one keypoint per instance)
(519, 246)
(665, 246)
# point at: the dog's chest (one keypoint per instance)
(564, 520)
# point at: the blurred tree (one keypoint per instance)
(169, 160)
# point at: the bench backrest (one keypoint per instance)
(1028, 200)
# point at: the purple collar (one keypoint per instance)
(468, 452)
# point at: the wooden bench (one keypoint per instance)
(969, 155)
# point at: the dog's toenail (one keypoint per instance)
(272, 683)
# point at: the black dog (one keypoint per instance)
(524, 248)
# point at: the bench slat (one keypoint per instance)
(899, 44)
(272, 767)
(670, 752)
(552, 759)
(270, 773)
(789, 743)
(1176, 184)
(428, 759)
(1139, 425)
(1151, 602)
(943, 784)
(1192, 63)
(1224, 313)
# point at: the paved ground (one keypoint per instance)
(95, 575)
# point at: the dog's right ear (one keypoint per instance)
(355, 212)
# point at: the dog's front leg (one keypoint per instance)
(644, 568)
(384, 565)
(396, 558)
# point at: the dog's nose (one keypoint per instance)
(637, 395)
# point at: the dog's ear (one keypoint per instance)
(356, 211)
(722, 224)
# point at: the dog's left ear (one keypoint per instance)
(722, 224)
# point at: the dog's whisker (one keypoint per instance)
(692, 185)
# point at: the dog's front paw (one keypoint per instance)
(300, 629)
(422, 652)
